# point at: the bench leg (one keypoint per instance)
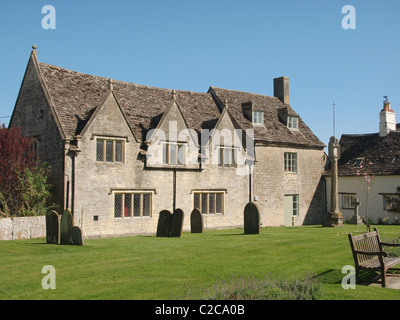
(383, 275)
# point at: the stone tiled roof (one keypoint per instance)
(274, 129)
(382, 152)
(75, 96)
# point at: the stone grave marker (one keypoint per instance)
(177, 223)
(196, 221)
(164, 223)
(251, 219)
(76, 235)
(65, 228)
(52, 227)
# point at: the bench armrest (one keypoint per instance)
(388, 244)
(372, 253)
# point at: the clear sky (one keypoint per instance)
(233, 44)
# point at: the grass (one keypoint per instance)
(151, 268)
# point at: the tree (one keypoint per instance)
(23, 181)
(367, 182)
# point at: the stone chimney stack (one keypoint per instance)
(281, 89)
(387, 119)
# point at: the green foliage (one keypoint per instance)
(34, 191)
(392, 251)
(31, 194)
(249, 287)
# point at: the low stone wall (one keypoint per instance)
(22, 228)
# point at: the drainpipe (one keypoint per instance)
(174, 191)
(72, 153)
(67, 197)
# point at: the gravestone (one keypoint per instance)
(196, 221)
(76, 235)
(356, 219)
(164, 223)
(52, 227)
(251, 219)
(177, 223)
(65, 228)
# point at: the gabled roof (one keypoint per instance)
(75, 97)
(273, 130)
(382, 152)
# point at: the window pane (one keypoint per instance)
(221, 157)
(233, 157)
(118, 151)
(219, 203)
(146, 205)
(196, 202)
(99, 150)
(227, 157)
(172, 154)
(109, 151)
(181, 154)
(204, 203)
(127, 205)
(165, 153)
(136, 205)
(211, 203)
(117, 205)
(295, 205)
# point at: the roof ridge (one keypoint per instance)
(122, 81)
(247, 92)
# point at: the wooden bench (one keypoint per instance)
(369, 255)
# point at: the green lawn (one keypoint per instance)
(147, 267)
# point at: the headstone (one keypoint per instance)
(164, 223)
(65, 228)
(251, 219)
(76, 235)
(52, 227)
(177, 223)
(356, 219)
(196, 221)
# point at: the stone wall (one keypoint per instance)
(33, 115)
(22, 228)
(96, 183)
(272, 183)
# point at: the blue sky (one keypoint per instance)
(235, 44)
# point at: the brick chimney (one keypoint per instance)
(281, 89)
(387, 119)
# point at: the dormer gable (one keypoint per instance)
(289, 118)
(172, 143)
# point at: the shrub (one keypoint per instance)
(249, 287)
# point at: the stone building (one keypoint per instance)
(377, 155)
(121, 152)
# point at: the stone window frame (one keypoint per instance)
(34, 147)
(293, 122)
(166, 153)
(290, 162)
(387, 205)
(295, 203)
(135, 211)
(114, 156)
(257, 117)
(348, 200)
(204, 196)
(233, 157)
